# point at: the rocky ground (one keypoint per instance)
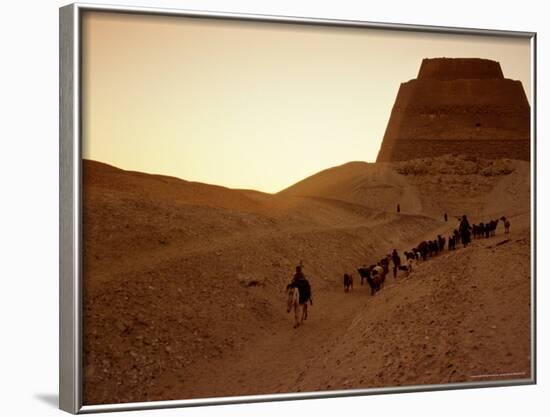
(183, 282)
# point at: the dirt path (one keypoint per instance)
(457, 294)
(460, 317)
(276, 360)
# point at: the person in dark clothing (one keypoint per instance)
(305, 290)
(300, 281)
(396, 262)
(297, 275)
(445, 216)
(464, 230)
(398, 208)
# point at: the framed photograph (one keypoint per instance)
(258, 208)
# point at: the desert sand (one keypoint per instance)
(184, 282)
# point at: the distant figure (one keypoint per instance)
(396, 262)
(398, 208)
(300, 283)
(446, 218)
(464, 230)
(297, 275)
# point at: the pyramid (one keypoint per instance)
(460, 106)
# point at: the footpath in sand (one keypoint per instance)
(459, 317)
(184, 282)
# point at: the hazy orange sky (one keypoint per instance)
(252, 105)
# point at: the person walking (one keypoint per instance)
(464, 230)
(396, 262)
(300, 281)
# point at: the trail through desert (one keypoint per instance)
(309, 360)
(184, 285)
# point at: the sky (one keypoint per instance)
(248, 104)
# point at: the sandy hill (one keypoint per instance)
(452, 184)
(183, 282)
(377, 186)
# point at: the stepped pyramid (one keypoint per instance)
(458, 105)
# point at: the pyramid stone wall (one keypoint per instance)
(461, 106)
